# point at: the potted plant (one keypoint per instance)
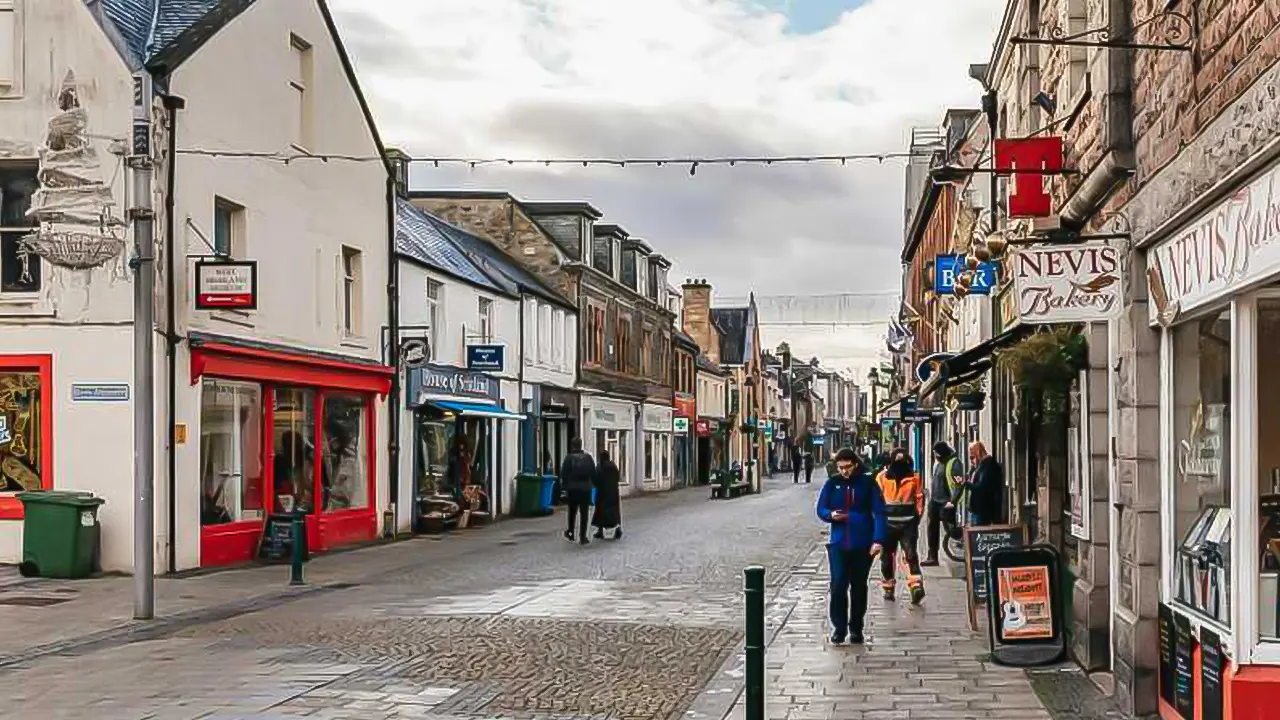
(1046, 363)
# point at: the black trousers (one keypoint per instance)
(937, 515)
(808, 468)
(848, 604)
(795, 470)
(579, 507)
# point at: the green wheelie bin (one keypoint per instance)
(528, 495)
(60, 533)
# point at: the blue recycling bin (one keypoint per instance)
(547, 494)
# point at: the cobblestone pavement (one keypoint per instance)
(511, 622)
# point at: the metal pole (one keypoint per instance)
(144, 411)
(753, 586)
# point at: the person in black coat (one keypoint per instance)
(608, 512)
(578, 475)
(985, 487)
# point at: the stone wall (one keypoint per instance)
(697, 319)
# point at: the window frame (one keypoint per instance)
(484, 311)
(42, 365)
(351, 262)
(302, 82)
(235, 227)
(37, 263)
(435, 313)
(12, 87)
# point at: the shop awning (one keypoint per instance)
(972, 363)
(476, 409)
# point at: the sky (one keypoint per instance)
(680, 78)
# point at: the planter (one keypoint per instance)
(971, 400)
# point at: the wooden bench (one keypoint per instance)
(730, 490)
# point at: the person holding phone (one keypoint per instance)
(852, 504)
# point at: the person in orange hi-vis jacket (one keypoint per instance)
(903, 493)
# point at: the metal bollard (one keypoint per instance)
(299, 528)
(753, 586)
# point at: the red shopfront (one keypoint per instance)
(279, 431)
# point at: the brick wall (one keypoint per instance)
(696, 321)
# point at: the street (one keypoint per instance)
(514, 622)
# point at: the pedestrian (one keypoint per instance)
(851, 503)
(608, 512)
(945, 489)
(578, 473)
(985, 487)
(797, 460)
(808, 466)
(903, 508)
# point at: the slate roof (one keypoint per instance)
(419, 237)
(498, 265)
(731, 323)
(704, 363)
(167, 31)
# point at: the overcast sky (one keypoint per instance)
(644, 78)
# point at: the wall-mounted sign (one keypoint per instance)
(1068, 283)
(445, 380)
(946, 267)
(99, 392)
(1042, 155)
(702, 428)
(612, 415)
(680, 425)
(486, 358)
(230, 285)
(686, 407)
(1007, 307)
(1231, 246)
(657, 418)
(415, 352)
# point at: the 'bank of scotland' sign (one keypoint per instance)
(946, 267)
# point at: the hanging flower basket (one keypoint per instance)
(1046, 363)
(748, 429)
(75, 249)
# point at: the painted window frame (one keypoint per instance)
(42, 365)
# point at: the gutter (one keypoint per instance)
(173, 104)
(393, 325)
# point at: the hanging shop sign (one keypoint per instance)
(415, 352)
(557, 403)
(1232, 246)
(657, 418)
(445, 380)
(1067, 284)
(702, 428)
(931, 365)
(231, 285)
(685, 407)
(1028, 197)
(680, 425)
(486, 358)
(947, 267)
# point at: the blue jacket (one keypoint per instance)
(859, 497)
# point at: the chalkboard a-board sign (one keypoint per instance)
(1164, 620)
(1210, 675)
(1184, 688)
(978, 541)
(277, 540)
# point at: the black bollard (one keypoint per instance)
(754, 591)
(299, 527)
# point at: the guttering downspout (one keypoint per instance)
(393, 327)
(173, 104)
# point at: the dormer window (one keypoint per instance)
(603, 254)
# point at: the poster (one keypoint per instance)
(1025, 609)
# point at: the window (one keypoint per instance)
(24, 454)
(435, 314)
(1202, 465)
(1074, 19)
(544, 333)
(1079, 491)
(232, 474)
(10, 48)
(228, 228)
(1268, 468)
(301, 83)
(530, 330)
(602, 254)
(646, 353)
(485, 309)
(293, 431)
(20, 271)
(622, 346)
(344, 477)
(642, 273)
(666, 455)
(557, 338)
(350, 291)
(650, 440)
(595, 335)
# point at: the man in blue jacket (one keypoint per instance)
(852, 503)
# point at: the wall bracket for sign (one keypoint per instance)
(1173, 29)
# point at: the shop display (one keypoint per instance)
(20, 440)
(1203, 564)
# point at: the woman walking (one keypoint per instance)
(608, 511)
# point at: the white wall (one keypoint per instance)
(550, 349)
(712, 395)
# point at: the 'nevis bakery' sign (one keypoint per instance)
(1068, 284)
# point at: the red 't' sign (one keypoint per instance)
(1028, 197)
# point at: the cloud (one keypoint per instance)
(548, 78)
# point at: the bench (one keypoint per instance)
(730, 490)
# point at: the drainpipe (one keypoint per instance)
(393, 325)
(172, 104)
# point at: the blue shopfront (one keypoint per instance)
(457, 461)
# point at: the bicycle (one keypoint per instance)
(953, 532)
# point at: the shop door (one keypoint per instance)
(704, 460)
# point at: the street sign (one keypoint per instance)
(415, 352)
(485, 358)
(947, 267)
(99, 392)
(680, 425)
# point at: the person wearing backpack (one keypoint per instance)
(946, 487)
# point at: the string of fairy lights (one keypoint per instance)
(693, 163)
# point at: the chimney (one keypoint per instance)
(696, 317)
(399, 161)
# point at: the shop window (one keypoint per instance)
(228, 228)
(434, 436)
(1268, 449)
(649, 441)
(1202, 487)
(23, 451)
(344, 481)
(666, 455)
(20, 271)
(1078, 507)
(231, 468)
(293, 430)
